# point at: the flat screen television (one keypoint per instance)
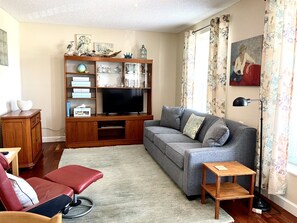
(122, 101)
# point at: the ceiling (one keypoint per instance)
(170, 16)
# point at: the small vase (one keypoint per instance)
(143, 52)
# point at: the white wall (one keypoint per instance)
(42, 50)
(247, 20)
(10, 77)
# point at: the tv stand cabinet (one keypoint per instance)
(105, 130)
(87, 88)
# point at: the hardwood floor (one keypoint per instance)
(237, 209)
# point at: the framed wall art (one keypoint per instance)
(103, 48)
(245, 63)
(83, 43)
(3, 48)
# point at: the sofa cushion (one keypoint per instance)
(193, 125)
(175, 152)
(160, 140)
(217, 134)
(150, 131)
(171, 117)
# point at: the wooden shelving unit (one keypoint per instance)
(106, 73)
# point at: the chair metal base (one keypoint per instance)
(79, 207)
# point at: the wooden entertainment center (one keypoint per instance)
(87, 87)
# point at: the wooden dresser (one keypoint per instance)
(23, 129)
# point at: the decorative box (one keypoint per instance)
(82, 112)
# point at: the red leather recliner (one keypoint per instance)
(54, 197)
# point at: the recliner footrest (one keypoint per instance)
(78, 178)
(74, 176)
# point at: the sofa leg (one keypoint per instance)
(192, 197)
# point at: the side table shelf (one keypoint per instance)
(227, 190)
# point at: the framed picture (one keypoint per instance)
(82, 112)
(3, 48)
(245, 64)
(83, 43)
(103, 48)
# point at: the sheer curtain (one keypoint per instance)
(279, 62)
(195, 71)
(217, 72)
(211, 99)
(188, 72)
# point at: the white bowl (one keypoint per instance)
(24, 105)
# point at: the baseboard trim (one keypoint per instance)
(284, 203)
(53, 139)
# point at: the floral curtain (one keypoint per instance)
(188, 70)
(216, 89)
(278, 60)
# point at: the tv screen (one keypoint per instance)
(122, 100)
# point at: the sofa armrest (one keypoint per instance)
(193, 160)
(151, 123)
(240, 148)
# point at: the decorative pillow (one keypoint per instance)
(25, 193)
(193, 126)
(171, 117)
(216, 135)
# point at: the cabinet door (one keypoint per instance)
(36, 140)
(14, 136)
(81, 131)
(134, 129)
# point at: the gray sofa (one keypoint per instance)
(181, 157)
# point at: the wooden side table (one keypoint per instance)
(12, 157)
(23, 129)
(227, 190)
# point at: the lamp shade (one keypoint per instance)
(240, 101)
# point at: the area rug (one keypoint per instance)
(134, 189)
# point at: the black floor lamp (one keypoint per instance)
(258, 202)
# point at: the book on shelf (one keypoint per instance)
(81, 84)
(81, 90)
(81, 95)
(68, 108)
(80, 78)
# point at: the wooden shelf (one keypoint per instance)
(107, 59)
(228, 191)
(82, 74)
(141, 88)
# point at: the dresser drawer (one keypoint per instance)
(35, 119)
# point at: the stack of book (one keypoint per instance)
(80, 82)
(81, 93)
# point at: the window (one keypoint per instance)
(201, 71)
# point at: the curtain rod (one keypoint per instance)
(197, 30)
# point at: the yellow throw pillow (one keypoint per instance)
(193, 126)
